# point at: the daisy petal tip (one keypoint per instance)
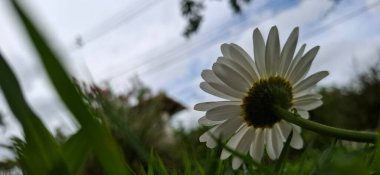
(274, 28)
(211, 144)
(225, 154)
(297, 141)
(224, 45)
(295, 32)
(316, 48)
(256, 33)
(196, 107)
(203, 138)
(236, 163)
(225, 49)
(201, 120)
(324, 74)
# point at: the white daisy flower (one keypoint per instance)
(252, 88)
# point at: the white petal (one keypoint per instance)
(308, 105)
(310, 81)
(288, 51)
(307, 102)
(259, 52)
(205, 106)
(277, 142)
(223, 113)
(303, 114)
(233, 142)
(207, 88)
(225, 48)
(206, 122)
(209, 76)
(308, 97)
(257, 147)
(243, 147)
(272, 52)
(206, 137)
(211, 143)
(244, 59)
(303, 92)
(296, 128)
(285, 128)
(228, 128)
(269, 144)
(296, 141)
(222, 131)
(246, 141)
(278, 129)
(236, 163)
(238, 68)
(230, 77)
(295, 61)
(224, 89)
(303, 66)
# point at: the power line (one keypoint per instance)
(340, 20)
(116, 21)
(111, 24)
(172, 52)
(175, 52)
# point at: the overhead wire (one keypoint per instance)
(173, 53)
(116, 21)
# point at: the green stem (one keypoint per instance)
(344, 134)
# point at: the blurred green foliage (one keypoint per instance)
(138, 120)
(356, 106)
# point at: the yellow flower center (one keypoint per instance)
(264, 95)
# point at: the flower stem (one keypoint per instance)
(339, 133)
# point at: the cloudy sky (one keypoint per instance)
(122, 39)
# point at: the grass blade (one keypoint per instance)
(75, 151)
(41, 154)
(97, 134)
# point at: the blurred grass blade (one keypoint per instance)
(281, 161)
(97, 134)
(156, 166)
(75, 151)
(376, 162)
(324, 159)
(201, 170)
(41, 154)
(161, 165)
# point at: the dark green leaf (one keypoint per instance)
(75, 151)
(41, 154)
(97, 134)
